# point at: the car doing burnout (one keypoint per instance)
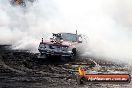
(61, 44)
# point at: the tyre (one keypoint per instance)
(74, 51)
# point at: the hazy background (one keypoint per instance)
(107, 24)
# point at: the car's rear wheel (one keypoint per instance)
(74, 51)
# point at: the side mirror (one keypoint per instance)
(79, 39)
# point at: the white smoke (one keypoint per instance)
(107, 23)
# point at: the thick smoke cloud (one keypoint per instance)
(107, 24)
(23, 27)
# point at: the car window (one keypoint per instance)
(70, 37)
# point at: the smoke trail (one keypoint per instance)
(106, 23)
(24, 27)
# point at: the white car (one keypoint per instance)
(61, 44)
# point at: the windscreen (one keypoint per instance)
(70, 37)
